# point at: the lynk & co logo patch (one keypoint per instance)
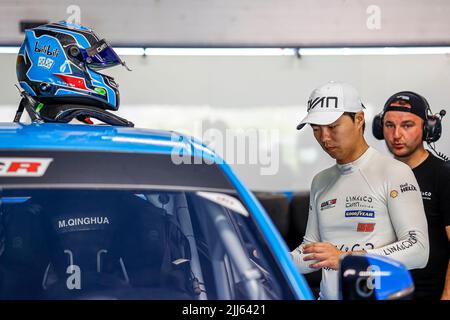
(426, 195)
(359, 202)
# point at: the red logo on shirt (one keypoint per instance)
(366, 227)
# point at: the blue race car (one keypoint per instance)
(107, 212)
(123, 213)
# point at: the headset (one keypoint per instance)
(432, 127)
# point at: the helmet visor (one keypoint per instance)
(101, 56)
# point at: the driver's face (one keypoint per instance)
(338, 139)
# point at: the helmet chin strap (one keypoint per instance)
(29, 104)
(66, 112)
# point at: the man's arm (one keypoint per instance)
(311, 236)
(407, 215)
(446, 292)
(444, 208)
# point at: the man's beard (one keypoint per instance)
(406, 152)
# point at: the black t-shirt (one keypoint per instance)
(433, 177)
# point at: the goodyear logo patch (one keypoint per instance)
(359, 214)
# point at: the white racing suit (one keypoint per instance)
(372, 204)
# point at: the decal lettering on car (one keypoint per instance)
(24, 167)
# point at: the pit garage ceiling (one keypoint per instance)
(253, 23)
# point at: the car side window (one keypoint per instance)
(260, 255)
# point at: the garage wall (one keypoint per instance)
(262, 98)
(278, 23)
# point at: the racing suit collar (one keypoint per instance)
(351, 167)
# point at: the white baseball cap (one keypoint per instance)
(329, 101)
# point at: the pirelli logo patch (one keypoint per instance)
(24, 167)
(359, 214)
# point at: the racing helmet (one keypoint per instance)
(59, 63)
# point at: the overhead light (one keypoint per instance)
(12, 50)
(219, 52)
(372, 51)
(130, 51)
(292, 51)
(140, 51)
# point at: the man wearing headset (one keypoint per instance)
(407, 121)
(366, 203)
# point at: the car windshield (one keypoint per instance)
(60, 243)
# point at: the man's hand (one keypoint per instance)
(325, 254)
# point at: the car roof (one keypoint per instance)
(48, 136)
(80, 137)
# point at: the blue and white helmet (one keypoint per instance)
(58, 63)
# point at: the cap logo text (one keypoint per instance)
(324, 102)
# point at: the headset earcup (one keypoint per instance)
(426, 131)
(437, 130)
(432, 130)
(377, 127)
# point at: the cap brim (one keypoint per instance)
(320, 118)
